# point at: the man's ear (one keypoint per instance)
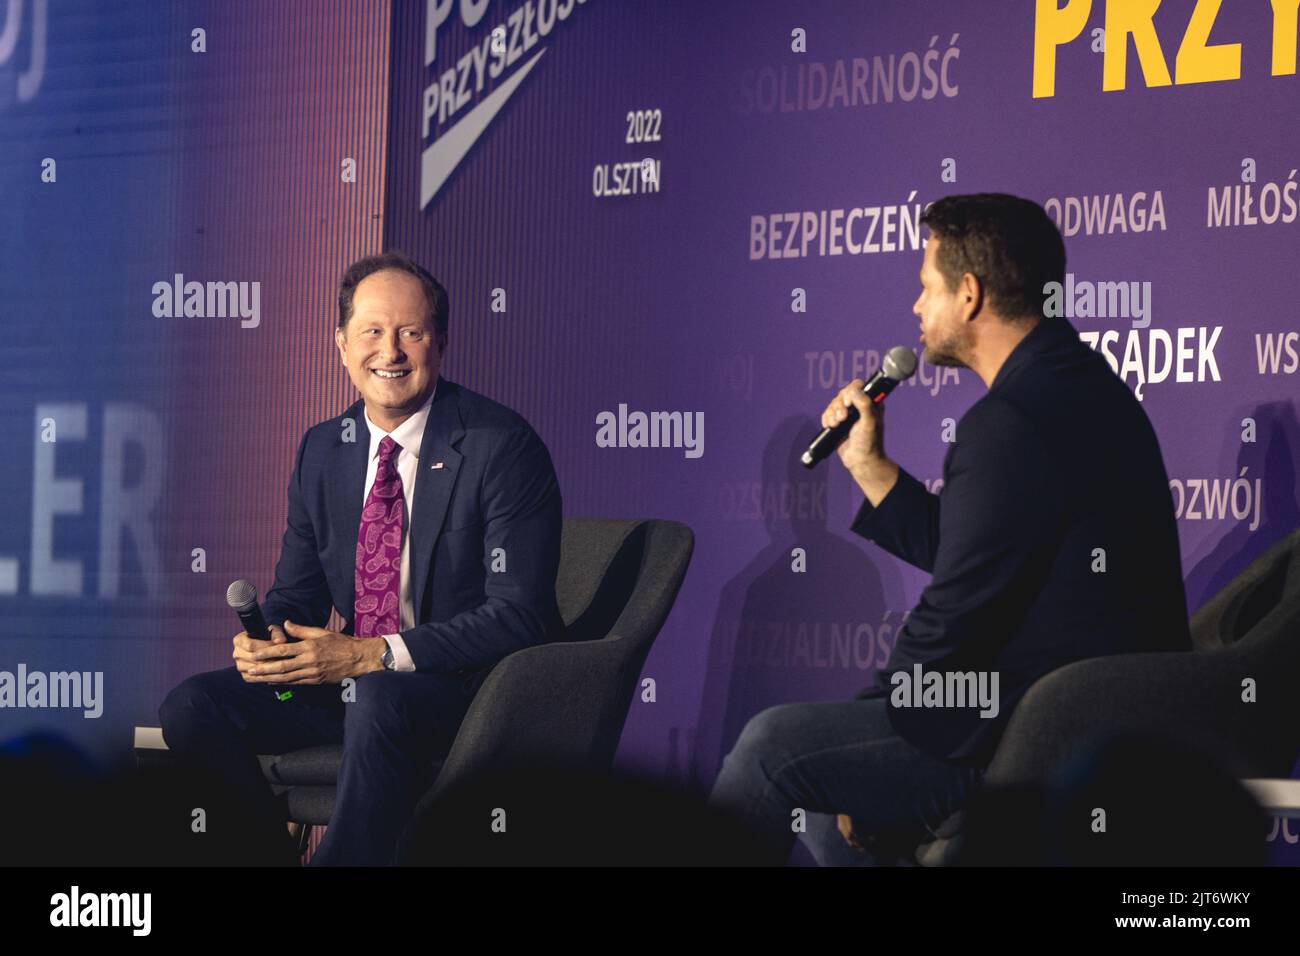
(971, 292)
(341, 341)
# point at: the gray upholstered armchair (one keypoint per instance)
(1251, 628)
(564, 701)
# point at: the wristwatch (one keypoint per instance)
(387, 660)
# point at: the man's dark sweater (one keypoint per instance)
(1054, 471)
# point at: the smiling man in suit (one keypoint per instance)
(429, 517)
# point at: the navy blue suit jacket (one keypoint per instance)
(496, 488)
(1057, 460)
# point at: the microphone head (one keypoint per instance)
(899, 363)
(241, 594)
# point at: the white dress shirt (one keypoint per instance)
(409, 434)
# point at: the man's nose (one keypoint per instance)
(393, 346)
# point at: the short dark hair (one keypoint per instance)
(1008, 243)
(434, 293)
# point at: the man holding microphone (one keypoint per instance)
(1053, 540)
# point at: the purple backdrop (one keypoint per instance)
(689, 207)
(681, 298)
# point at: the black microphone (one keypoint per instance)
(899, 364)
(242, 596)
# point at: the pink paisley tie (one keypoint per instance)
(379, 550)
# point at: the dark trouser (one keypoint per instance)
(396, 728)
(838, 757)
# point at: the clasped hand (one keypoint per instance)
(317, 657)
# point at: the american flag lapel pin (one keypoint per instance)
(435, 466)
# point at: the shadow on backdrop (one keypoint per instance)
(782, 636)
(1271, 458)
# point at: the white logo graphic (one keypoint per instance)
(457, 93)
(29, 82)
(441, 159)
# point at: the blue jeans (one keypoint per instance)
(838, 757)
